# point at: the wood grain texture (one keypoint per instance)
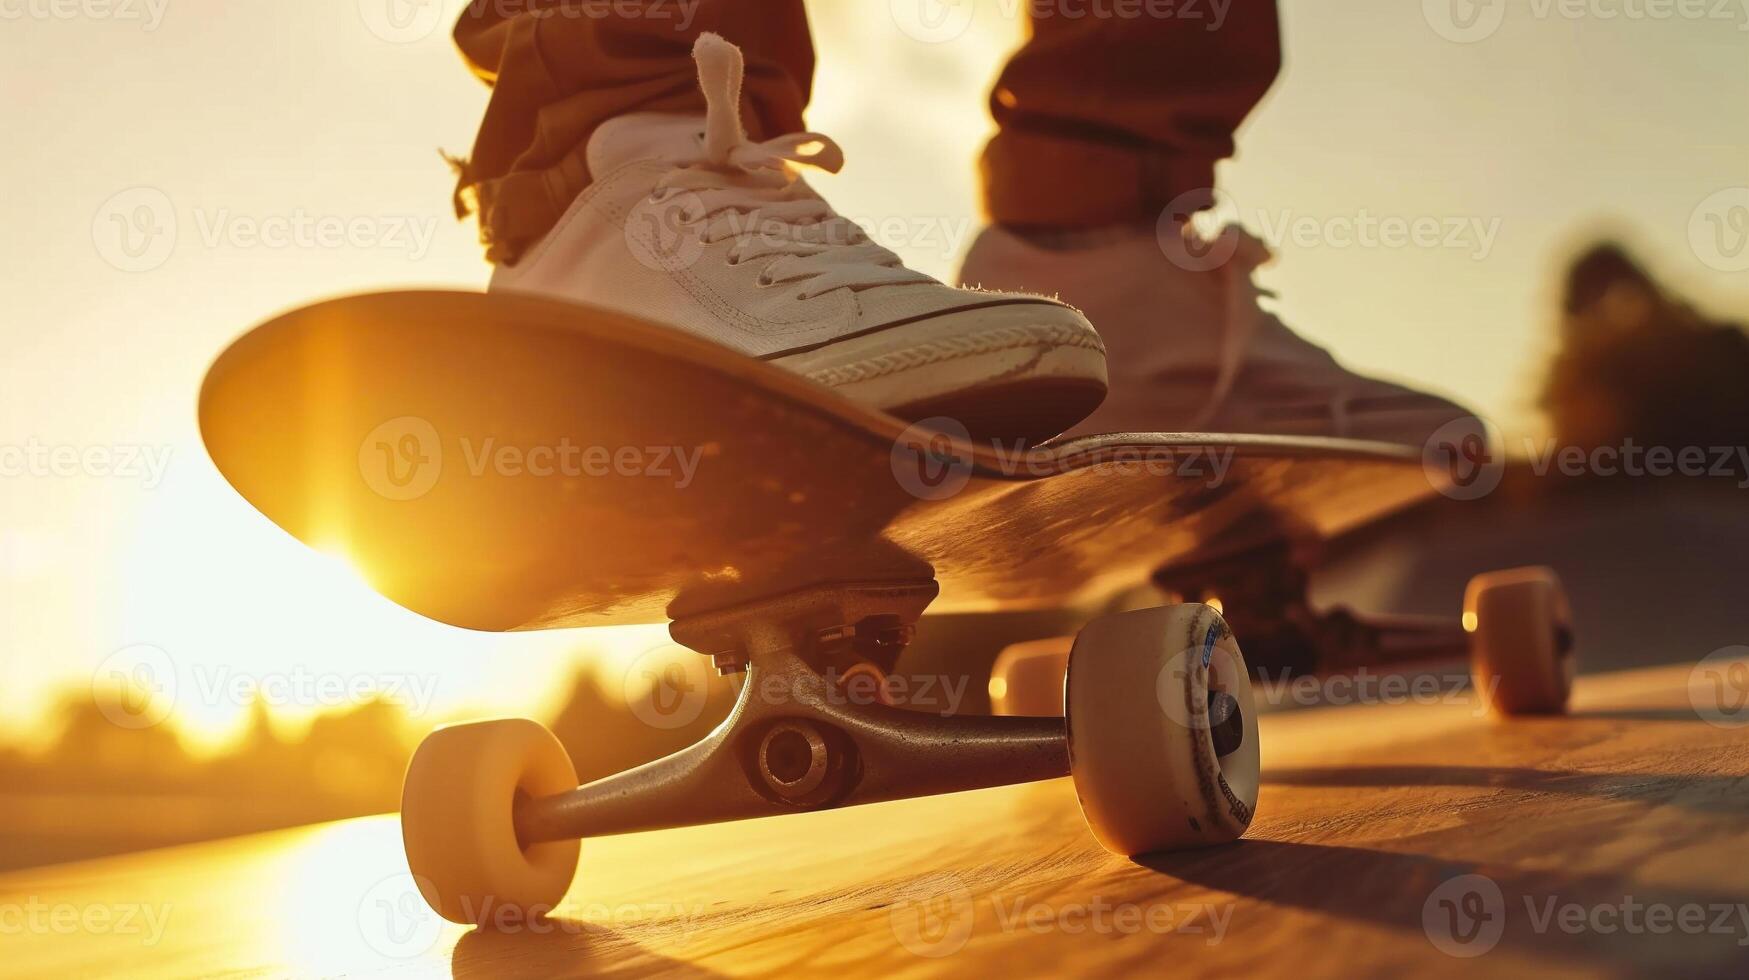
(1365, 812)
(506, 462)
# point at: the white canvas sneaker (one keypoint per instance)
(1192, 351)
(691, 225)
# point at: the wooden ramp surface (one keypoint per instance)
(1389, 838)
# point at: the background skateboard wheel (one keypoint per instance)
(1027, 678)
(1521, 640)
(456, 812)
(1162, 732)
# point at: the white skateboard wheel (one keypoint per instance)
(456, 819)
(1521, 640)
(1027, 678)
(1158, 763)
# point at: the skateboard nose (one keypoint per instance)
(1226, 723)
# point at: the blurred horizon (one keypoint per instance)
(240, 125)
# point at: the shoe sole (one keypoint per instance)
(1020, 378)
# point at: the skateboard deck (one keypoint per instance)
(502, 462)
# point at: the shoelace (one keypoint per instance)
(1238, 309)
(746, 192)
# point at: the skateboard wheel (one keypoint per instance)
(1027, 678)
(1521, 640)
(1163, 743)
(456, 819)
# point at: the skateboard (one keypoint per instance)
(503, 462)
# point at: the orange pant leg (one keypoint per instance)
(1114, 108)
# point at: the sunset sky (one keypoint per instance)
(238, 120)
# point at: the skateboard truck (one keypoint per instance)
(1266, 594)
(1158, 736)
(1515, 631)
(795, 740)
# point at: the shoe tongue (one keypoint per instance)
(645, 136)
